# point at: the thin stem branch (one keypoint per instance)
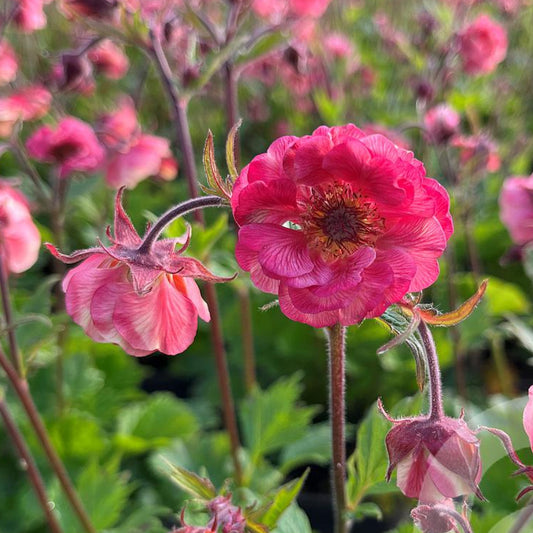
(337, 409)
(523, 519)
(228, 407)
(28, 463)
(8, 317)
(436, 409)
(178, 107)
(175, 212)
(22, 390)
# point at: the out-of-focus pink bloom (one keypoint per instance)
(144, 159)
(435, 459)
(109, 59)
(338, 46)
(477, 150)
(72, 146)
(29, 103)
(276, 10)
(516, 212)
(133, 156)
(441, 122)
(432, 519)
(74, 73)
(339, 224)
(142, 300)
(528, 415)
(309, 8)
(482, 45)
(99, 9)
(30, 15)
(270, 8)
(20, 240)
(8, 63)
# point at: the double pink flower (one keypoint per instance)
(339, 224)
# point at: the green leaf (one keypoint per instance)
(272, 419)
(313, 447)
(503, 297)
(153, 423)
(293, 520)
(367, 510)
(282, 499)
(368, 464)
(193, 484)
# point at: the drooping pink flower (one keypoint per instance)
(516, 210)
(432, 519)
(142, 300)
(74, 72)
(20, 240)
(478, 151)
(434, 459)
(109, 59)
(441, 122)
(338, 46)
(528, 417)
(72, 146)
(339, 224)
(119, 130)
(30, 15)
(8, 63)
(482, 45)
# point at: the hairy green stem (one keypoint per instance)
(337, 410)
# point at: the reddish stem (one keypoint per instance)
(29, 465)
(337, 409)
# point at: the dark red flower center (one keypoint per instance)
(64, 150)
(337, 220)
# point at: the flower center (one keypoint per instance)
(336, 220)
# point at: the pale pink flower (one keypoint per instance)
(432, 519)
(276, 10)
(309, 8)
(30, 15)
(145, 158)
(20, 240)
(338, 46)
(478, 151)
(528, 417)
(133, 156)
(339, 224)
(441, 122)
(8, 63)
(142, 300)
(516, 210)
(482, 45)
(72, 145)
(109, 59)
(8, 118)
(435, 459)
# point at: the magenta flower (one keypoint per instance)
(20, 240)
(142, 300)
(72, 146)
(339, 225)
(109, 59)
(8, 63)
(482, 45)
(435, 458)
(441, 122)
(30, 15)
(516, 208)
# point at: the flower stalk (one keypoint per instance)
(337, 356)
(28, 463)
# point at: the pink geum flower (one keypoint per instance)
(441, 123)
(516, 209)
(144, 300)
(8, 63)
(339, 224)
(72, 146)
(482, 45)
(435, 458)
(478, 151)
(109, 59)
(20, 240)
(30, 15)
(133, 156)
(438, 518)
